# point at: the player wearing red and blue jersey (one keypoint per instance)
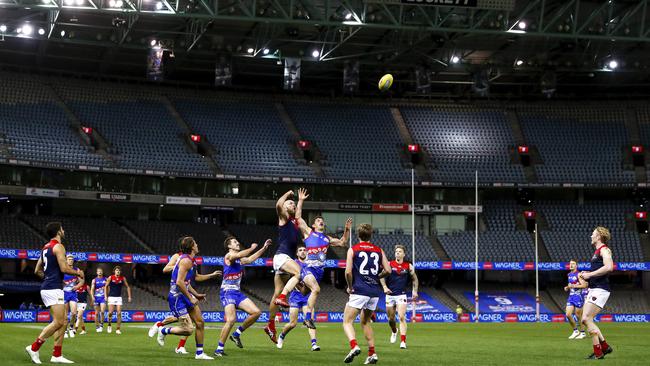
(287, 271)
(70, 286)
(366, 263)
(97, 289)
(113, 288)
(82, 303)
(395, 289)
(575, 301)
(169, 268)
(602, 265)
(317, 244)
(183, 299)
(51, 266)
(231, 295)
(299, 302)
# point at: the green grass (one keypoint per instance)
(440, 344)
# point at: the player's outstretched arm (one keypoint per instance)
(279, 207)
(343, 241)
(348, 269)
(82, 281)
(242, 253)
(169, 267)
(302, 196)
(254, 257)
(201, 277)
(414, 279)
(385, 265)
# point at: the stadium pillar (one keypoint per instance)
(536, 276)
(413, 229)
(476, 245)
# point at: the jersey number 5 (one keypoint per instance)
(44, 260)
(375, 263)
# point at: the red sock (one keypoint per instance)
(159, 324)
(181, 343)
(353, 343)
(83, 327)
(371, 351)
(272, 323)
(403, 338)
(57, 351)
(597, 350)
(282, 297)
(603, 344)
(37, 344)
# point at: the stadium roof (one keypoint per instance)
(516, 42)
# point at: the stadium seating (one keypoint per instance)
(89, 234)
(250, 138)
(423, 249)
(571, 225)
(358, 142)
(582, 144)
(248, 234)
(15, 234)
(500, 242)
(163, 236)
(463, 140)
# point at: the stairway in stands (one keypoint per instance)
(520, 139)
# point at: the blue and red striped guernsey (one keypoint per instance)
(366, 263)
(53, 279)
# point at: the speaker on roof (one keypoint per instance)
(155, 65)
(292, 73)
(351, 77)
(223, 71)
(422, 80)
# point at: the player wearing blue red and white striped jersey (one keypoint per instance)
(51, 266)
(113, 288)
(97, 289)
(71, 284)
(365, 264)
(395, 289)
(299, 302)
(169, 268)
(575, 301)
(183, 299)
(230, 294)
(317, 244)
(602, 264)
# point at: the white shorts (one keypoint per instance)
(81, 306)
(396, 300)
(363, 302)
(52, 297)
(279, 260)
(597, 296)
(115, 300)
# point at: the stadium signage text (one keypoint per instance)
(9, 253)
(40, 192)
(113, 196)
(174, 200)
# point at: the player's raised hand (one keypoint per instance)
(566, 288)
(415, 295)
(217, 273)
(267, 243)
(253, 246)
(348, 223)
(129, 299)
(200, 297)
(302, 194)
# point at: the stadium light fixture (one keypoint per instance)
(79, 2)
(62, 33)
(266, 51)
(68, 2)
(159, 5)
(348, 15)
(27, 30)
(522, 25)
(612, 65)
(315, 53)
(455, 59)
(3, 28)
(519, 62)
(41, 31)
(250, 50)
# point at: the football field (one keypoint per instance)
(429, 344)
